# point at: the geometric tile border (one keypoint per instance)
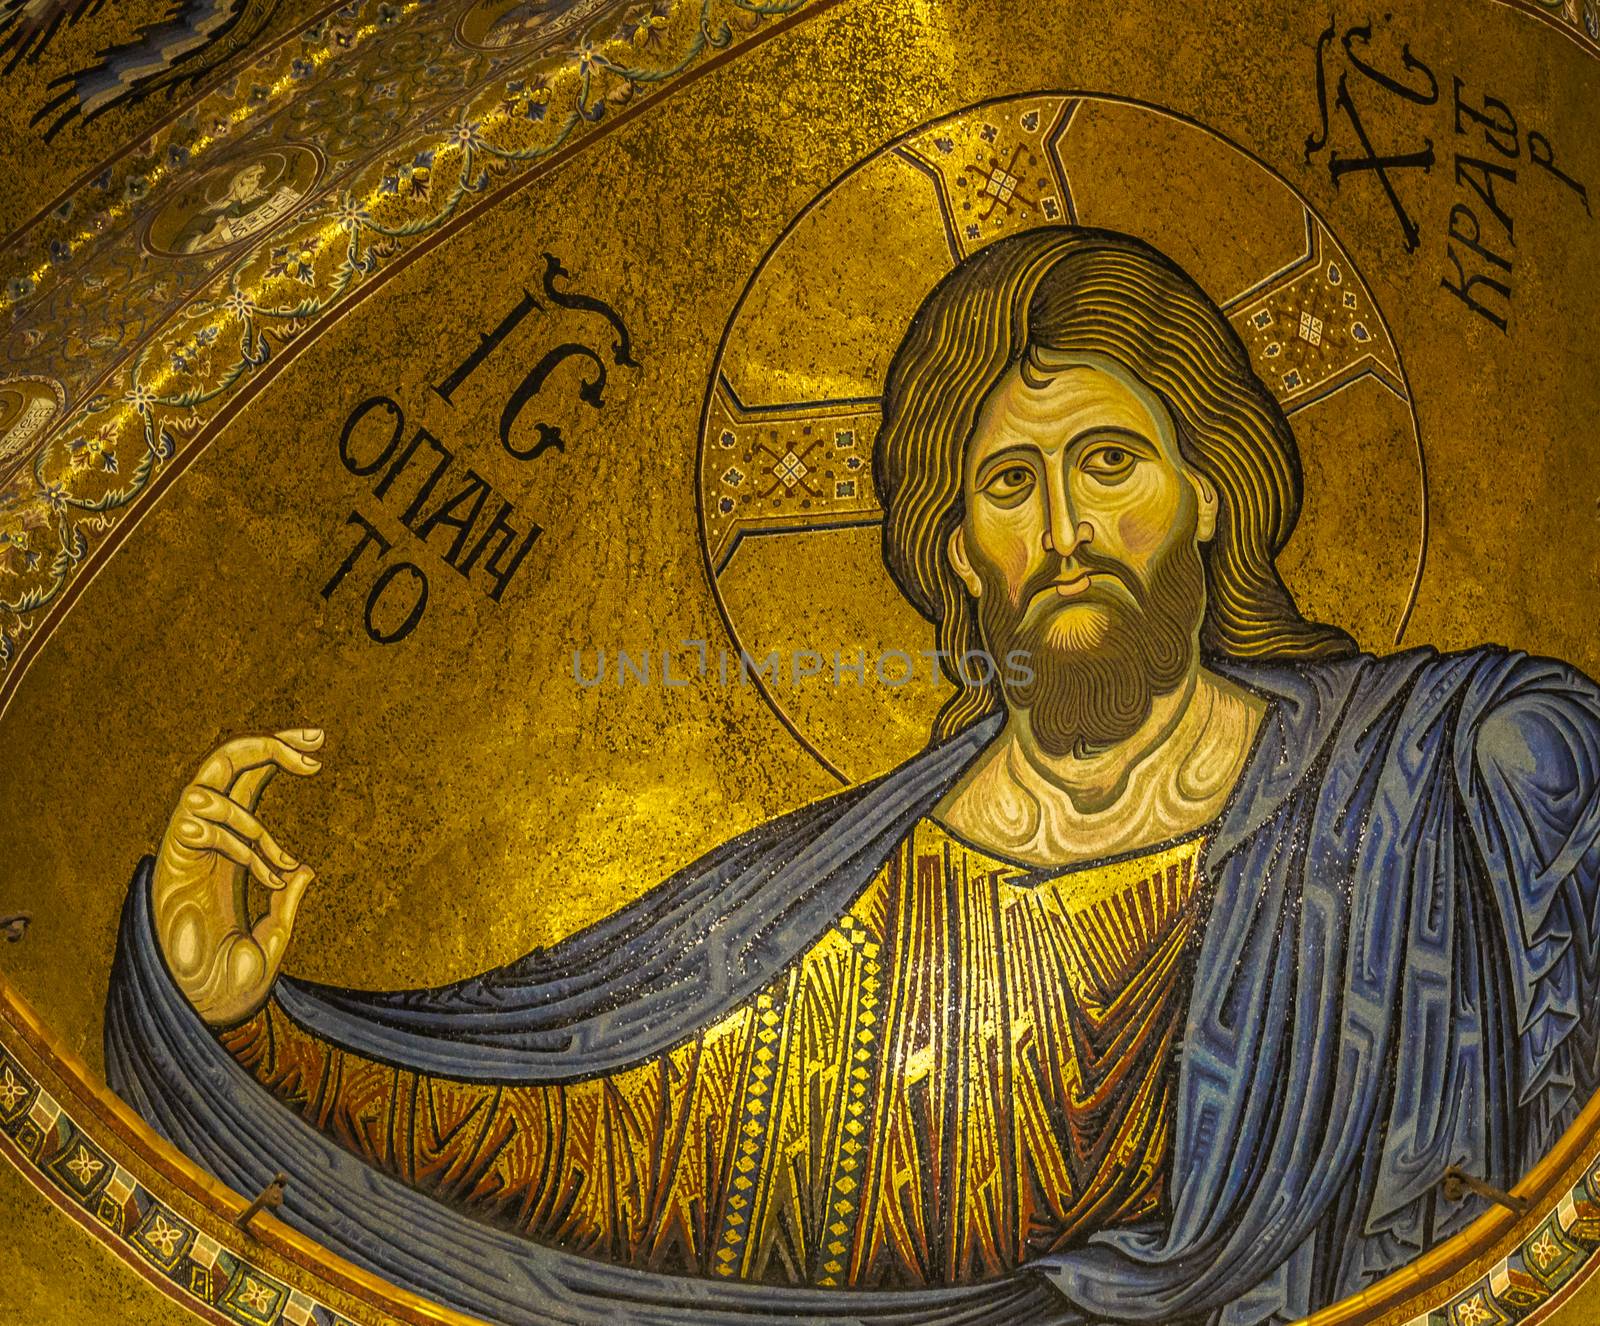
(59, 1158)
(70, 1153)
(1549, 1258)
(82, 1148)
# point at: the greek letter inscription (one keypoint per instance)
(1484, 148)
(446, 504)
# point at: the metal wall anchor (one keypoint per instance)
(268, 1198)
(1457, 1183)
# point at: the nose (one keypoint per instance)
(1064, 532)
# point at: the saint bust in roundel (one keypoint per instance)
(1165, 984)
(241, 203)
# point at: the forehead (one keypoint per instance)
(1077, 401)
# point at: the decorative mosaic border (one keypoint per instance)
(70, 1148)
(59, 1157)
(202, 89)
(198, 339)
(1548, 1259)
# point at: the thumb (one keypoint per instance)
(276, 925)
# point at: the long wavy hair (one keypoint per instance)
(1047, 295)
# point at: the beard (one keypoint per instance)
(1096, 675)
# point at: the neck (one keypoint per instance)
(1093, 778)
(1172, 775)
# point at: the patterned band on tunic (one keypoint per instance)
(971, 1068)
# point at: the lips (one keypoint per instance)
(1071, 587)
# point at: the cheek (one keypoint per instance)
(1006, 541)
(1147, 516)
(1142, 531)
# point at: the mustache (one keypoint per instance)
(1084, 695)
(1085, 561)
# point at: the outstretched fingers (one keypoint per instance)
(209, 835)
(242, 768)
(206, 804)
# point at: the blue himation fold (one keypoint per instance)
(1398, 972)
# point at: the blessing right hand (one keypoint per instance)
(223, 960)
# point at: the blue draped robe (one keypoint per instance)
(1398, 973)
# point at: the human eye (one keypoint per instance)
(1110, 462)
(1010, 483)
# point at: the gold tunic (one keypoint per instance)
(971, 1067)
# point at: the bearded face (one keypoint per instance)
(1081, 544)
(1098, 662)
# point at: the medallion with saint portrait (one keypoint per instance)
(494, 25)
(28, 405)
(235, 201)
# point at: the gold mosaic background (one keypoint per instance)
(476, 802)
